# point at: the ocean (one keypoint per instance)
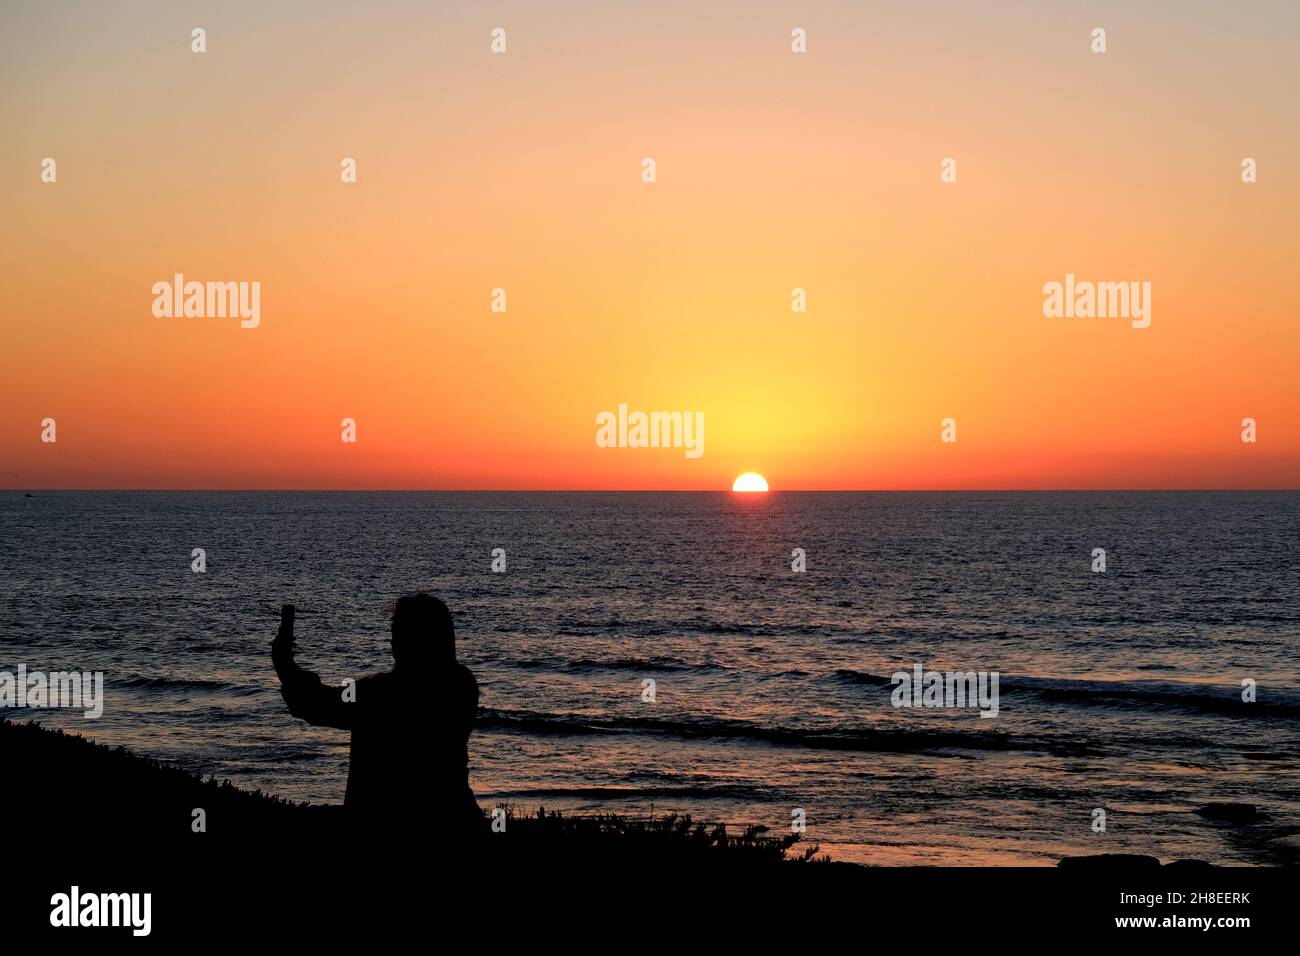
(1118, 690)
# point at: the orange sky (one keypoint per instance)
(775, 171)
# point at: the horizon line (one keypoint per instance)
(642, 491)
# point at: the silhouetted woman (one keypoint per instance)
(409, 771)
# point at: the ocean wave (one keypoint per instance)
(707, 626)
(187, 684)
(849, 739)
(718, 792)
(612, 663)
(589, 628)
(861, 677)
(1200, 698)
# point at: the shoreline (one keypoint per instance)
(152, 804)
(105, 820)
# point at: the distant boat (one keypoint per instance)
(29, 495)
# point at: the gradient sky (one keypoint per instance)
(775, 170)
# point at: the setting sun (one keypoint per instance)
(750, 481)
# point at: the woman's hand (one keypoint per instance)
(282, 646)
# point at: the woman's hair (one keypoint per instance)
(422, 630)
